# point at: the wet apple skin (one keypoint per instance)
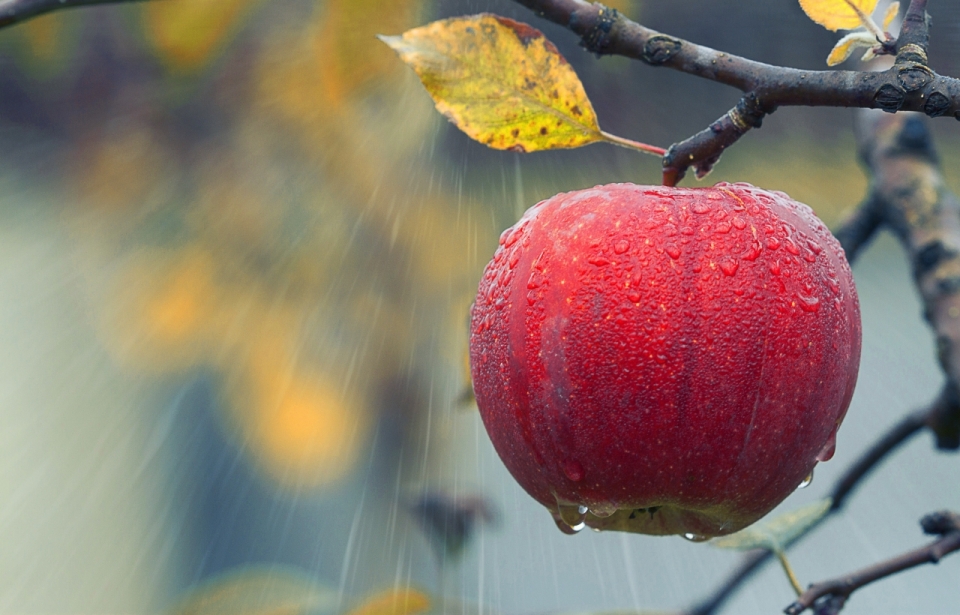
(674, 359)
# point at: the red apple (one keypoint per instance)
(665, 360)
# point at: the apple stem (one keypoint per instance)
(635, 145)
(788, 569)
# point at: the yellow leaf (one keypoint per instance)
(892, 11)
(847, 45)
(501, 82)
(400, 601)
(838, 14)
(187, 32)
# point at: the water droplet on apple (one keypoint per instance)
(808, 303)
(573, 470)
(814, 246)
(723, 228)
(673, 251)
(599, 261)
(514, 259)
(834, 285)
(775, 267)
(621, 246)
(739, 223)
(791, 247)
(754, 252)
(571, 515)
(826, 453)
(633, 296)
(773, 243)
(699, 207)
(563, 527)
(729, 266)
(603, 510)
(806, 482)
(696, 537)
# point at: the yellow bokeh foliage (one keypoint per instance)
(162, 314)
(256, 590)
(344, 45)
(304, 430)
(187, 33)
(397, 601)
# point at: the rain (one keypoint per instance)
(238, 250)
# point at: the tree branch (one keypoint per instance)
(910, 85)
(828, 597)
(16, 11)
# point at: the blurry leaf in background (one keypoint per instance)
(118, 173)
(501, 82)
(162, 311)
(450, 522)
(344, 48)
(187, 33)
(399, 601)
(838, 14)
(273, 590)
(303, 428)
(42, 46)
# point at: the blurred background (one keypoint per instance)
(237, 251)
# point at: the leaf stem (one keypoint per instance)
(635, 145)
(788, 569)
(868, 22)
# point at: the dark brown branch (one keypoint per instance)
(859, 229)
(17, 11)
(829, 596)
(915, 28)
(911, 199)
(909, 85)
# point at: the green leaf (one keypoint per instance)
(777, 533)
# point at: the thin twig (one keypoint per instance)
(788, 570)
(947, 524)
(17, 11)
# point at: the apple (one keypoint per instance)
(665, 360)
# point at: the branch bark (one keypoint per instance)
(16, 11)
(910, 85)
